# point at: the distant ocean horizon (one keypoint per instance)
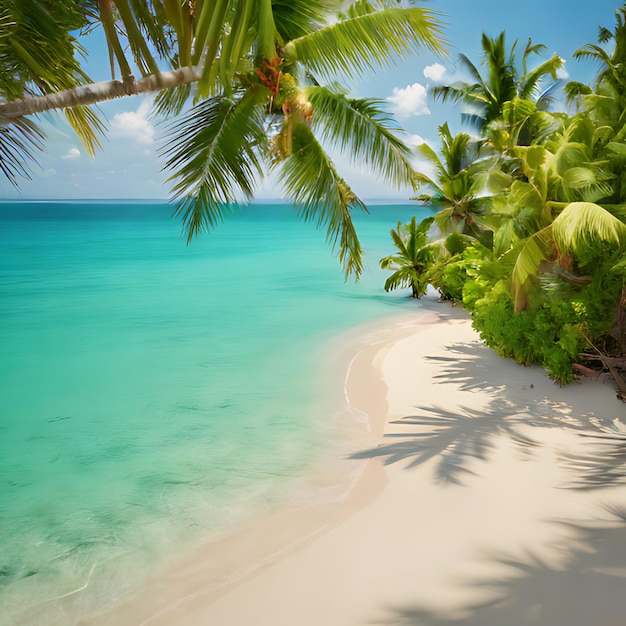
(153, 393)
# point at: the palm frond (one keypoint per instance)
(213, 153)
(402, 277)
(591, 51)
(362, 128)
(153, 23)
(116, 49)
(432, 157)
(266, 30)
(208, 37)
(473, 70)
(37, 48)
(359, 45)
(19, 139)
(574, 89)
(171, 102)
(531, 49)
(133, 22)
(529, 85)
(535, 250)
(236, 43)
(581, 224)
(87, 125)
(321, 195)
(179, 16)
(454, 93)
(297, 18)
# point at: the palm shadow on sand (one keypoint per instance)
(604, 464)
(587, 589)
(453, 438)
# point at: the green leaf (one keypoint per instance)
(536, 249)
(87, 126)
(19, 139)
(320, 194)
(585, 224)
(214, 155)
(357, 46)
(361, 128)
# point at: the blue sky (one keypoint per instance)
(128, 166)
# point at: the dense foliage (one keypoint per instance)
(531, 216)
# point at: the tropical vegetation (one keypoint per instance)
(248, 86)
(530, 215)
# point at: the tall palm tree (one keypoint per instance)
(605, 103)
(262, 74)
(456, 190)
(505, 81)
(612, 73)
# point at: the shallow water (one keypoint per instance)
(154, 393)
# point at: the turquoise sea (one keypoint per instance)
(153, 393)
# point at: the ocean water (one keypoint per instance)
(152, 393)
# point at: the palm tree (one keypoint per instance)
(456, 192)
(505, 82)
(413, 259)
(605, 104)
(262, 75)
(612, 74)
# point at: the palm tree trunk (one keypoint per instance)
(98, 92)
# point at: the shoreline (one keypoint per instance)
(331, 490)
(464, 448)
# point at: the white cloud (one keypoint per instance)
(562, 72)
(414, 140)
(435, 72)
(72, 153)
(409, 101)
(135, 125)
(50, 172)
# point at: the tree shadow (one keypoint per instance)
(604, 465)
(586, 589)
(454, 438)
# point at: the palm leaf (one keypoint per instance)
(19, 139)
(534, 251)
(38, 48)
(214, 154)
(585, 223)
(172, 102)
(529, 86)
(116, 49)
(399, 240)
(87, 125)
(591, 51)
(362, 128)
(297, 18)
(266, 30)
(473, 70)
(402, 277)
(359, 45)
(136, 38)
(432, 157)
(179, 16)
(320, 194)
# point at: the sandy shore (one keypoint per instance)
(487, 496)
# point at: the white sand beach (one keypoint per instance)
(487, 496)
